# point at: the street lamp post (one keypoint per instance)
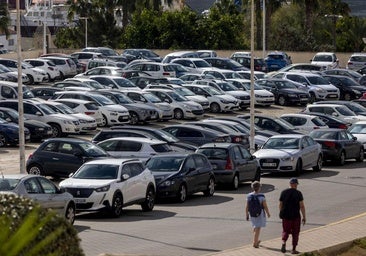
(44, 37)
(86, 30)
(334, 18)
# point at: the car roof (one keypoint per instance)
(17, 176)
(111, 160)
(218, 145)
(73, 100)
(138, 139)
(289, 135)
(66, 140)
(299, 115)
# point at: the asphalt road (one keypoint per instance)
(203, 225)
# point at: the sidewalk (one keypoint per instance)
(331, 237)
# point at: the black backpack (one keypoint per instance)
(254, 205)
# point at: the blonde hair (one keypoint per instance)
(256, 185)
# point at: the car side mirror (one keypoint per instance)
(335, 114)
(38, 113)
(253, 157)
(354, 138)
(125, 176)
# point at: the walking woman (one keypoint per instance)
(258, 220)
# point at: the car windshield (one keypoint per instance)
(227, 87)
(214, 153)
(13, 114)
(102, 100)
(232, 75)
(358, 128)
(92, 150)
(165, 164)
(152, 98)
(201, 64)
(357, 108)
(46, 109)
(282, 143)
(7, 184)
(175, 96)
(148, 54)
(125, 83)
(285, 85)
(123, 99)
(165, 136)
(323, 57)
(212, 91)
(61, 108)
(326, 135)
(184, 91)
(317, 80)
(345, 111)
(27, 94)
(97, 172)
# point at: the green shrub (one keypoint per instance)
(28, 229)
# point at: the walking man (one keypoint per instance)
(291, 204)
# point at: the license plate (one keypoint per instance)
(269, 164)
(333, 96)
(79, 200)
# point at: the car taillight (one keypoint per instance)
(166, 74)
(229, 164)
(329, 144)
(30, 155)
(51, 68)
(343, 126)
(89, 113)
(316, 127)
(237, 139)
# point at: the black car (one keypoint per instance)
(159, 134)
(196, 135)
(362, 102)
(105, 134)
(225, 63)
(38, 130)
(259, 63)
(332, 121)
(285, 92)
(58, 157)
(273, 124)
(142, 54)
(45, 92)
(349, 89)
(180, 175)
(232, 163)
(338, 145)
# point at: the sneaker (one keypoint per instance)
(295, 252)
(283, 248)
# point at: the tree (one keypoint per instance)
(4, 19)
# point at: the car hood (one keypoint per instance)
(163, 176)
(292, 90)
(83, 117)
(263, 92)
(197, 98)
(115, 107)
(275, 153)
(325, 64)
(226, 97)
(63, 117)
(10, 126)
(138, 106)
(84, 183)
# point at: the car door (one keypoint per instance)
(139, 180)
(192, 175)
(351, 145)
(35, 192)
(127, 185)
(307, 153)
(53, 199)
(250, 165)
(190, 135)
(203, 171)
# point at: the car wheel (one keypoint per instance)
(62, 76)
(319, 164)
(182, 193)
(258, 175)
(312, 97)
(70, 213)
(215, 108)
(178, 114)
(56, 130)
(361, 156)
(281, 101)
(210, 190)
(3, 140)
(104, 121)
(342, 158)
(298, 169)
(117, 203)
(149, 202)
(134, 118)
(35, 169)
(235, 182)
(31, 79)
(347, 97)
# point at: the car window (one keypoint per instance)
(136, 169)
(32, 186)
(304, 143)
(245, 153)
(67, 148)
(47, 186)
(189, 164)
(51, 147)
(160, 148)
(237, 153)
(189, 133)
(200, 161)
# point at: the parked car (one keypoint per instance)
(41, 190)
(38, 130)
(301, 67)
(102, 70)
(290, 153)
(7, 74)
(111, 184)
(155, 69)
(9, 133)
(58, 157)
(332, 121)
(143, 54)
(188, 78)
(355, 107)
(359, 78)
(284, 91)
(231, 163)
(180, 175)
(62, 125)
(338, 145)
(225, 63)
(143, 81)
(185, 92)
(179, 54)
(196, 135)
(358, 130)
(9, 90)
(306, 122)
(223, 74)
(195, 65)
(277, 60)
(328, 60)
(138, 112)
(183, 108)
(45, 93)
(115, 82)
(349, 89)
(356, 61)
(67, 67)
(259, 63)
(134, 147)
(47, 66)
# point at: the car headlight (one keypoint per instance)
(225, 101)
(114, 113)
(82, 121)
(292, 95)
(103, 189)
(168, 183)
(68, 122)
(287, 158)
(321, 90)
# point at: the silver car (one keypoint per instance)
(290, 153)
(41, 190)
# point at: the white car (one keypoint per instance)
(47, 66)
(111, 184)
(113, 114)
(358, 130)
(185, 92)
(183, 108)
(290, 153)
(89, 108)
(115, 82)
(66, 66)
(241, 95)
(164, 109)
(219, 102)
(155, 69)
(327, 60)
(134, 147)
(195, 65)
(35, 110)
(306, 122)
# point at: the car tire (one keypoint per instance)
(210, 190)
(3, 140)
(178, 114)
(182, 193)
(281, 100)
(319, 164)
(258, 175)
(312, 98)
(235, 182)
(149, 203)
(215, 108)
(35, 169)
(70, 213)
(134, 118)
(341, 159)
(117, 204)
(347, 97)
(298, 169)
(104, 121)
(56, 130)
(62, 76)
(361, 156)
(31, 79)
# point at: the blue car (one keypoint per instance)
(277, 60)
(9, 133)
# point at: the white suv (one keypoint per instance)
(111, 184)
(357, 61)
